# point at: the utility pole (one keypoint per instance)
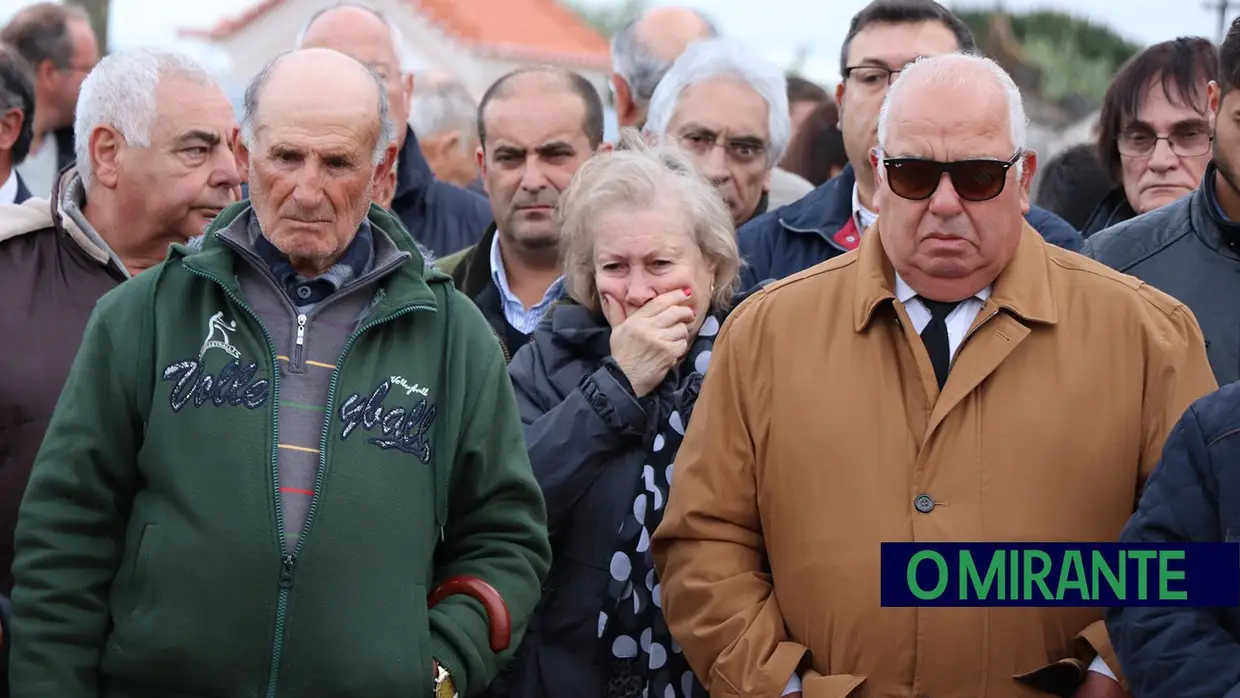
(1222, 7)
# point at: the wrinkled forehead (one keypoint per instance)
(183, 105)
(722, 104)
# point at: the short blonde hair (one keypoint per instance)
(638, 175)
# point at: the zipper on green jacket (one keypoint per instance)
(287, 561)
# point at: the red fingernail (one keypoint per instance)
(688, 291)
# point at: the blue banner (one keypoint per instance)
(1060, 574)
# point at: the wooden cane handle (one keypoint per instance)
(499, 620)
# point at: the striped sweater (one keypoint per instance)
(306, 368)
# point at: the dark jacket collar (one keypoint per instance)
(763, 205)
(65, 155)
(23, 192)
(576, 326)
(1113, 209)
(473, 275)
(1215, 231)
(413, 174)
(825, 209)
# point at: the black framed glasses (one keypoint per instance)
(974, 180)
(1186, 144)
(871, 76)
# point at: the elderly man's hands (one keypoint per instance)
(646, 344)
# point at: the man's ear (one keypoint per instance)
(839, 104)
(10, 128)
(1214, 100)
(106, 148)
(1026, 178)
(605, 147)
(449, 142)
(626, 108)
(387, 167)
(481, 156)
(241, 154)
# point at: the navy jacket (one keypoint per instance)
(798, 236)
(23, 192)
(1189, 250)
(1192, 496)
(443, 217)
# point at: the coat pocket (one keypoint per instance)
(834, 686)
(129, 590)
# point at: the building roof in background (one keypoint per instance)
(522, 30)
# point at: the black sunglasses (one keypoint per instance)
(973, 180)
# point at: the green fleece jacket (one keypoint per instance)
(149, 557)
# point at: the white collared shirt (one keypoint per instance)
(8, 190)
(958, 321)
(862, 216)
(522, 320)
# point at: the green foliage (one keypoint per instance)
(607, 19)
(1074, 54)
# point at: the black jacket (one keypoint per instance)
(586, 435)
(1112, 210)
(1192, 496)
(1188, 250)
(23, 192)
(443, 217)
(470, 270)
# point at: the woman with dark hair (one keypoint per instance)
(817, 150)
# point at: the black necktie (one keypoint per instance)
(935, 337)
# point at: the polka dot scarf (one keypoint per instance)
(644, 660)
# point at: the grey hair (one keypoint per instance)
(387, 130)
(948, 70)
(398, 39)
(637, 175)
(638, 65)
(711, 59)
(120, 93)
(444, 106)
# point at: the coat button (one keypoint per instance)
(924, 503)
(303, 292)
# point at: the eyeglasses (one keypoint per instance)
(739, 150)
(974, 180)
(1185, 144)
(871, 76)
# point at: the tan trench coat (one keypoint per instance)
(821, 422)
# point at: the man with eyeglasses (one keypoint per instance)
(792, 474)
(729, 109)
(883, 37)
(1153, 129)
(1188, 243)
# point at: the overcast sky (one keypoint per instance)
(776, 27)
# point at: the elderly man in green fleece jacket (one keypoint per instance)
(275, 445)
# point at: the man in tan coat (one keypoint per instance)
(1032, 407)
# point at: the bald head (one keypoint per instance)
(977, 87)
(369, 37)
(317, 88)
(667, 31)
(643, 51)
